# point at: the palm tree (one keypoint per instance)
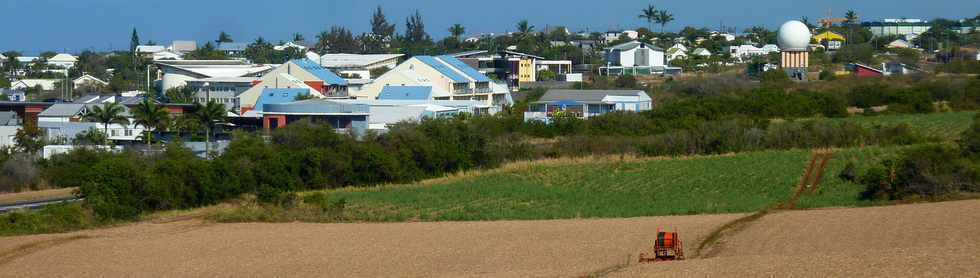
(663, 17)
(209, 115)
(108, 113)
(524, 28)
(152, 117)
(851, 17)
(650, 15)
(457, 30)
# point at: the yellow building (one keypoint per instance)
(525, 71)
(829, 36)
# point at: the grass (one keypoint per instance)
(943, 125)
(57, 218)
(597, 188)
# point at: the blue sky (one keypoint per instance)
(32, 26)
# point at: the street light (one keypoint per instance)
(207, 91)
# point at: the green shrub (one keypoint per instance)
(933, 171)
(50, 219)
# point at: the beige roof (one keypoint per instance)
(62, 57)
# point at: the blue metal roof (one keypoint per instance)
(442, 68)
(323, 74)
(406, 93)
(278, 96)
(467, 69)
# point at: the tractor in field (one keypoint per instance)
(667, 247)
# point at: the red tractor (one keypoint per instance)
(668, 247)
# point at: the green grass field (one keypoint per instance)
(944, 125)
(606, 189)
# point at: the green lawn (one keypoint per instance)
(944, 125)
(721, 184)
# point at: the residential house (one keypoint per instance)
(62, 60)
(14, 95)
(895, 68)
(745, 52)
(861, 70)
(830, 39)
(514, 67)
(65, 120)
(44, 84)
(288, 45)
(359, 116)
(613, 36)
(224, 90)
(728, 37)
(680, 46)
(9, 124)
(296, 74)
(88, 81)
(899, 43)
(149, 51)
(634, 58)
(182, 47)
(176, 73)
(358, 66)
(3, 59)
(586, 103)
(897, 27)
(233, 49)
(701, 52)
(449, 78)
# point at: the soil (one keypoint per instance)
(937, 239)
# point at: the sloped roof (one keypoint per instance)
(232, 46)
(90, 77)
(829, 35)
(150, 48)
(633, 44)
(62, 110)
(466, 69)
(343, 60)
(406, 92)
(279, 96)
(443, 68)
(585, 95)
(62, 57)
(323, 74)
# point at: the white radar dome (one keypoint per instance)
(794, 36)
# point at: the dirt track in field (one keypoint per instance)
(941, 239)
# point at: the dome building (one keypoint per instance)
(794, 42)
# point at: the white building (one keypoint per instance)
(62, 60)
(44, 84)
(358, 65)
(701, 52)
(634, 58)
(745, 52)
(612, 36)
(587, 103)
(446, 77)
(65, 120)
(89, 81)
(176, 73)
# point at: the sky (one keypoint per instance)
(32, 26)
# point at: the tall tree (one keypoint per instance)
(108, 113)
(152, 117)
(850, 17)
(209, 115)
(415, 29)
(663, 18)
(649, 14)
(134, 41)
(297, 37)
(457, 30)
(223, 38)
(380, 26)
(338, 40)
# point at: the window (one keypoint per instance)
(129, 132)
(114, 132)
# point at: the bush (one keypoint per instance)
(933, 171)
(50, 219)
